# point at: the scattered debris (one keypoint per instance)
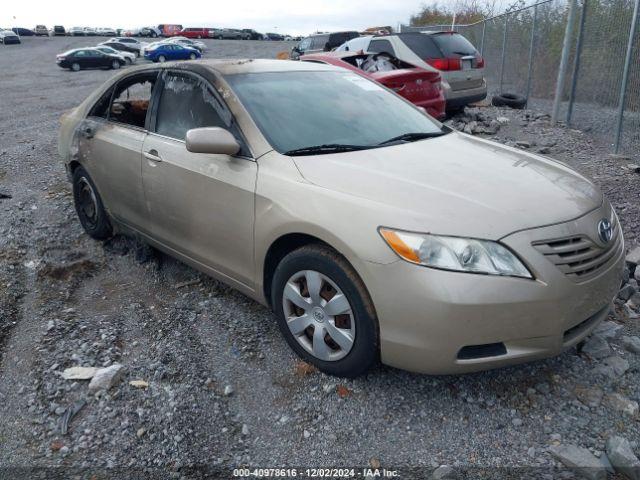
(68, 415)
(105, 378)
(303, 369)
(188, 283)
(343, 391)
(79, 373)
(139, 384)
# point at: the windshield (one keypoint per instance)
(297, 110)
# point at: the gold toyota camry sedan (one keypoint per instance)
(373, 231)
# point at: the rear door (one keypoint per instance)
(200, 205)
(111, 141)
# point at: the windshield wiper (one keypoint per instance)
(413, 136)
(328, 148)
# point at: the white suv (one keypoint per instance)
(457, 60)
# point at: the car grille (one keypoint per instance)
(579, 257)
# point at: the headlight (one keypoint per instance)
(455, 253)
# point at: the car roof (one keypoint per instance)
(230, 66)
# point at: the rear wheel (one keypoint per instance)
(162, 59)
(129, 60)
(324, 311)
(89, 208)
(115, 64)
(192, 56)
(75, 67)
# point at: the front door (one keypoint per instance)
(200, 205)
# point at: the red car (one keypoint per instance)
(195, 32)
(421, 87)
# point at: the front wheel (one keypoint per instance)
(193, 56)
(115, 64)
(75, 67)
(324, 311)
(89, 208)
(162, 59)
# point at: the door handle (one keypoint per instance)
(152, 155)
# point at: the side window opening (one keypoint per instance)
(131, 100)
(188, 102)
(101, 108)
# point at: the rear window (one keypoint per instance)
(422, 45)
(454, 45)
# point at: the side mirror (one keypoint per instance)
(212, 140)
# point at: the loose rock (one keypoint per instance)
(580, 460)
(105, 378)
(622, 457)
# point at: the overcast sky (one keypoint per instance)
(295, 17)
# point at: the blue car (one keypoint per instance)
(170, 51)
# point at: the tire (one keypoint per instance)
(75, 67)
(512, 100)
(129, 61)
(89, 207)
(199, 37)
(192, 56)
(162, 59)
(154, 35)
(115, 65)
(358, 333)
(137, 54)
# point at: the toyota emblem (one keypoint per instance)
(605, 231)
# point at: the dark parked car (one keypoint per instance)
(274, 36)
(88, 58)
(151, 32)
(23, 32)
(59, 30)
(253, 34)
(7, 37)
(123, 46)
(321, 42)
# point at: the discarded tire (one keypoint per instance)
(512, 100)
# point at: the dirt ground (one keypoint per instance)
(224, 390)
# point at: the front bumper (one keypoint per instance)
(440, 322)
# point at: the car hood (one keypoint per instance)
(456, 185)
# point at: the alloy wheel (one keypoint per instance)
(319, 315)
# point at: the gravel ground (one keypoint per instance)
(222, 388)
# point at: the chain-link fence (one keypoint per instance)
(599, 91)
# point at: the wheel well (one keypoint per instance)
(280, 249)
(73, 165)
